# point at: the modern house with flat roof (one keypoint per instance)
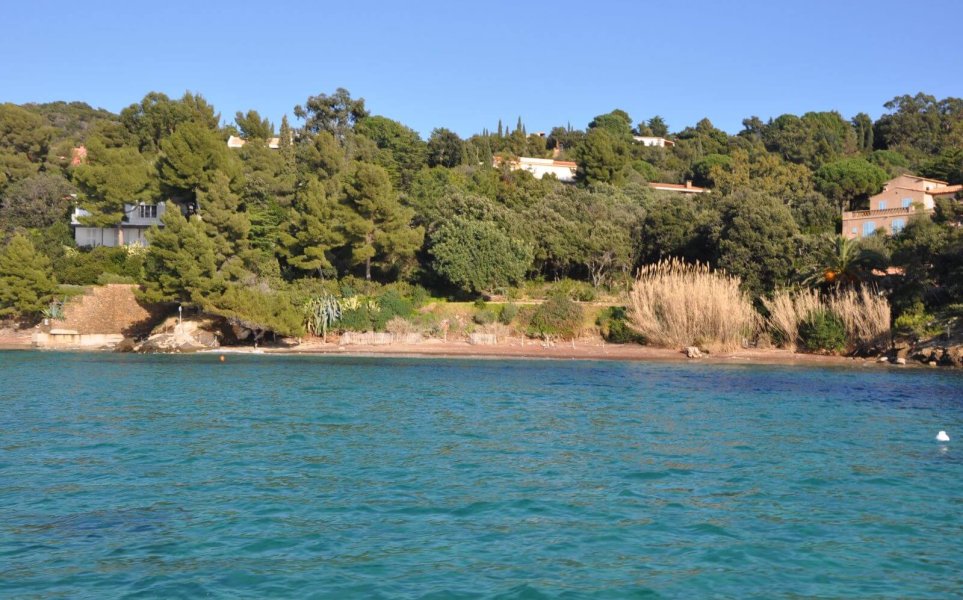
(137, 219)
(891, 209)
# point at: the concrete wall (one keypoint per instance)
(68, 339)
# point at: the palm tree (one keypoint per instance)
(845, 263)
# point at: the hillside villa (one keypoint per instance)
(133, 226)
(238, 142)
(129, 232)
(891, 209)
(563, 170)
(658, 142)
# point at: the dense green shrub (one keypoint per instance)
(358, 317)
(507, 313)
(84, 267)
(557, 317)
(918, 322)
(823, 331)
(484, 317)
(580, 291)
(366, 313)
(614, 327)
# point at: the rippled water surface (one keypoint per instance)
(307, 477)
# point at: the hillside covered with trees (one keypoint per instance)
(352, 204)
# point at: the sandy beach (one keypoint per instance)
(592, 349)
(585, 350)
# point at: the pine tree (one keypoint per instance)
(312, 230)
(26, 280)
(378, 227)
(225, 221)
(111, 178)
(191, 158)
(500, 130)
(180, 265)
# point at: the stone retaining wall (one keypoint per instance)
(108, 309)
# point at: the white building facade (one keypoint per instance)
(138, 218)
(563, 170)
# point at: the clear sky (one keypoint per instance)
(463, 65)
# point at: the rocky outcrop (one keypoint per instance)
(928, 353)
(191, 335)
(692, 352)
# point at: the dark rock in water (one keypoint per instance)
(126, 345)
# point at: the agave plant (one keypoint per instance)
(322, 313)
(54, 311)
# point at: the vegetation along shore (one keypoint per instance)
(167, 228)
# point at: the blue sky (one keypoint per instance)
(464, 65)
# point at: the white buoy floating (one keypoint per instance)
(942, 437)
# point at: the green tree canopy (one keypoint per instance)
(403, 152)
(225, 219)
(156, 117)
(478, 256)
(37, 201)
(602, 157)
(378, 227)
(849, 180)
(335, 114)
(755, 240)
(445, 148)
(26, 280)
(618, 123)
(313, 230)
(252, 126)
(181, 264)
(191, 159)
(110, 178)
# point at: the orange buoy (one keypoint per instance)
(222, 358)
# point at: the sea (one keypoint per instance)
(127, 476)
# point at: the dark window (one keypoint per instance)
(148, 211)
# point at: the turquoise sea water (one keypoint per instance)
(305, 477)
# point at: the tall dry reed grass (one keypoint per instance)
(865, 314)
(787, 311)
(675, 304)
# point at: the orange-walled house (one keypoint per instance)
(891, 209)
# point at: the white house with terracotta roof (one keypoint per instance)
(563, 170)
(649, 140)
(686, 188)
(890, 210)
